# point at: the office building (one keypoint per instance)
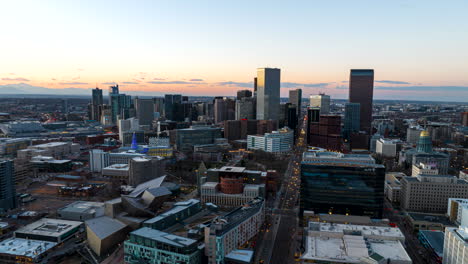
(351, 119)
(393, 186)
(10, 146)
(57, 150)
(224, 109)
(268, 93)
(128, 125)
(159, 106)
(295, 98)
(321, 101)
(412, 134)
(171, 102)
(280, 141)
(144, 109)
(123, 157)
(457, 211)
(361, 90)
(142, 169)
(227, 233)
(455, 245)
(324, 131)
(98, 159)
(386, 147)
(339, 183)
(119, 104)
(245, 108)
(18, 250)
(154, 247)
(346, 243)
(7, 186)
(464, 117)
(430, 193)
(243, 94)
(196, 135)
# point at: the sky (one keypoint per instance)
(418, 49)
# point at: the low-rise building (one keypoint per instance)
(81, 211)
(421, 221)
(226, 233)
(48, 229)
(19, 250)
(153, 247)
(104, 233)
(210, 193)
(341, 243)
(393, 186)
(434, 242)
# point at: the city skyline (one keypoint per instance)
(214, 48)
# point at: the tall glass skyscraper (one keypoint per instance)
(336, 183)
(361, 90)
(351, 119)
(268, 93)
(7, 186)
(295, 98)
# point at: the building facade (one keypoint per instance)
(321, 101)
(268, 93)
(361, 90)
(280, 141)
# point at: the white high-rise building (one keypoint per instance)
(386, 147)
(268, 93)
(98, 159)
(131, 124)
(322, 101)
(455, 245)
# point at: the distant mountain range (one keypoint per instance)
(24, 88)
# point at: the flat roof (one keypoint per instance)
(49, 227)
(241, 255)
(51, 144)
(180, 206)
(82, 207)
(25, 247)
(384, 231)
(117, 167)
(163, 237)
(442, 219)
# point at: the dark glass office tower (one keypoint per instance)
(7, 186)
(171, 101)
(339, 183)
(361, 90)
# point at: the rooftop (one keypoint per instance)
(383, 231)
(117, 167)
(49, 227)
(82, 207)
(105, 226)
(25, 247)
(166, 238)
(442, 219)
(241, 255)
(179, 206)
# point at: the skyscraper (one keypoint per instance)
(144, 111)
(170, 104)
(295, 98)
(351, 119)
(97, 97)
(243, 93)
(224, 109)
(321, 101)
(7, 186)
(361, 90)
(268, 93)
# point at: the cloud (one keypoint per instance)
(424, 88)
(392, 82)
(108, 83)
(196, 80)
(80, 69)
(130, 82)
(19, 79)
(304, 85)
(159, 79)
(236, 84)
(53, 79)
(173, 82)
(73, 83)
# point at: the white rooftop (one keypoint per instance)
(49, 227)
(352, 243)
(117, 167)
(25, 247)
